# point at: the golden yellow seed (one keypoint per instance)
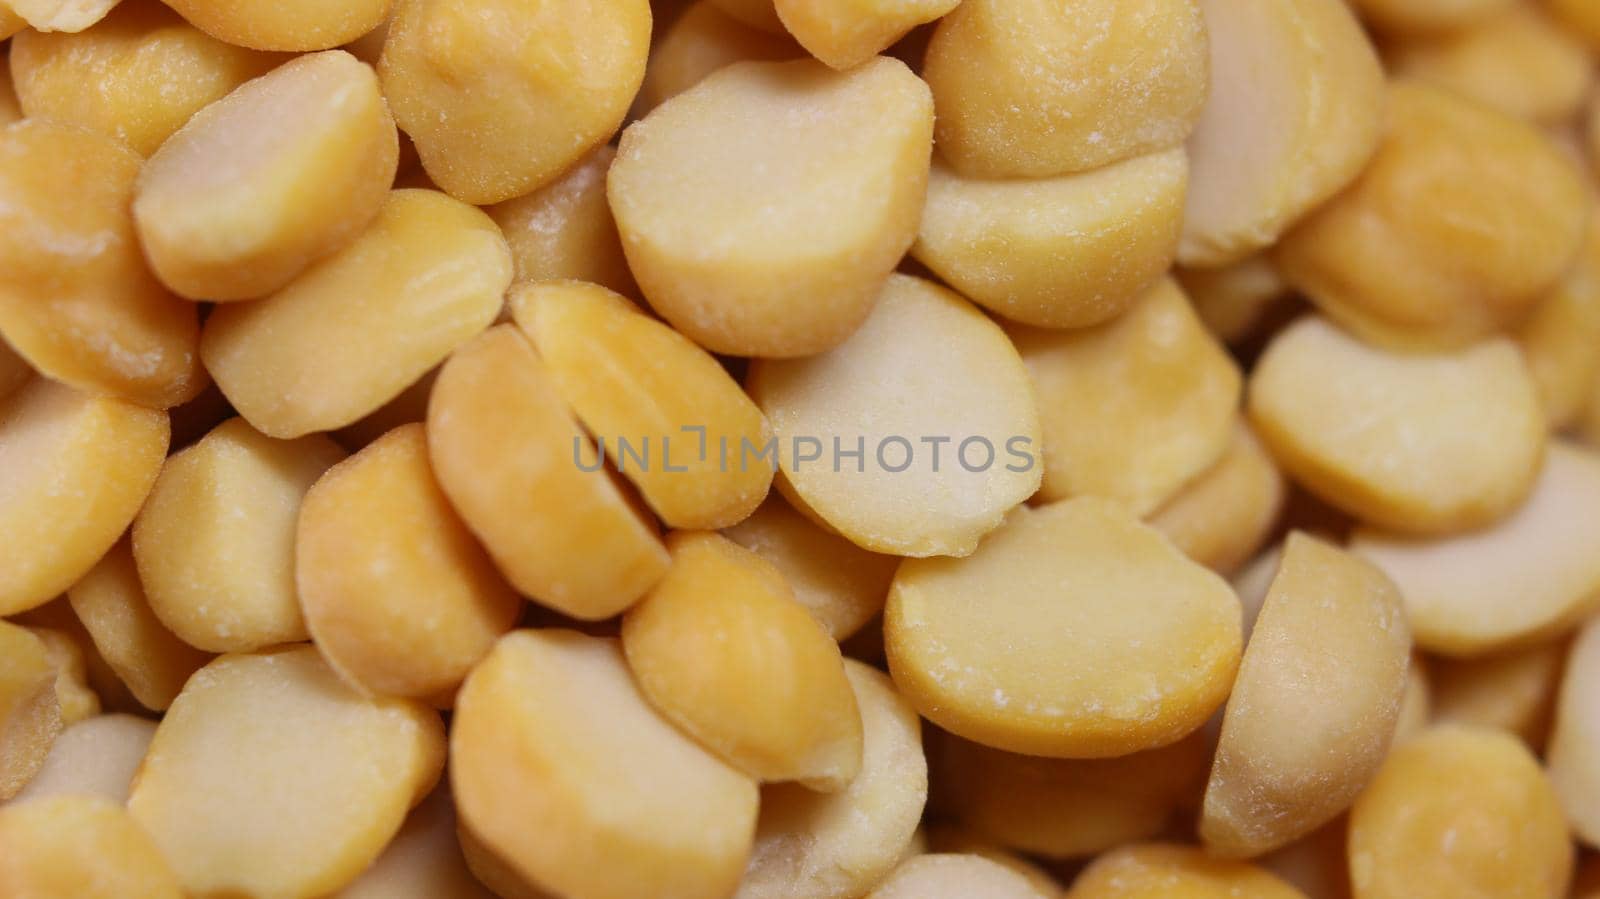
(501, 96)
(62, 15)
(409, 406)
(423, 861)
(1314, 707)
(98, 756)
(295, 25)
(1295, 112)
(635, 382)
(567, 775)
(269, 777)
(1316, 864)
(74, 469)
(812, 845)
(954, 876)
(102, 678)
(215, 542)
(1559, 340)
(397, 593)
(1135, 408)
(356, 329)
(1459, 812)
(10, 23)
(1546, 554)
(1034, 89)
(1236, 302)
(1461, 223)
(847, 33)
(1431, 443)
(925, 478)
(762, 209)
(80, 847)
(564, 230)
(1516, 60)
(1573, 762)
(1162, 871)
(773, 701)
(1075, 631)
(492, 871)
(1070, 808)
(841, 584)
(137, 76)
(1223, 516)
(285, 170)
(1514, 691)
(700, 41)
(1060, 252)
(528, 482)
(30, 713)
(947, 838)
(76, 699)
(76, 300)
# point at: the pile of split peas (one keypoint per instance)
(800, 449)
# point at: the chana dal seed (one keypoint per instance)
(925, 478)
(397, 594)
(1420, 17)
(1314, 708)
(762, 209)
(1421, 443)
(297, 26)
(1516, 60)
(1064, 251)
(564, 230)
(1000, 74)
(1222, 518)
(954, 876)
(700, 41)
(62, 15)
(58, 615)
(270, 777)
(564, 771)
(354, 330)
(76, 300)
(1164, 871)
(1461, 223)
(635, 382)
(137, 76)
(773, 702)
(1574, 770)
(1299, 84)
(1075, 631)
(74, 469)
(811, 845)
(1135, 408)
(1315, 864)
(1237, 301)
(1514, 691)
(528, 482)
(80, 847)
(492, 871)
(30, 713)
(501, 96)
(284, 170)
(98, 756)
(1559, 336)
(1070, 808)
(847, 33)
(423, 861)
(214, 544)
(1459, 812)
(1531, 576)
(841, 584)
(74, 696)
(409, 406)
(946, 838)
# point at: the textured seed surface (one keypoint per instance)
(398, 595)
(954, 876)
(270, 777)
(74, 696)
(1535, 573)
(283, 171)
(762, 209)
(98, 756)
(1135, 408)
(564, 230)
(80, 847)
(847, 33)
(870, 395)
(563, 770)
(423, 861)
(1421, 443)
(1459, 812)
(812, 845)
(1059, 252)
(76, 300)
(501, 95)
(1222, 517)
(527, 481)
(30, 714)
(74, 469)
(1314, 708)
(353, 331)
(1160, 871)
(774, 702)
(62, 15)
(296, 25)
(1074, 631)
(214, 542)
